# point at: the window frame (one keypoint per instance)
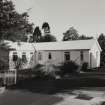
(24, 57)
(67, 56)
(14, 56)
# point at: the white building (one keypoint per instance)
(79, 51)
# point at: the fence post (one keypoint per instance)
(15, 76)
(4, 78)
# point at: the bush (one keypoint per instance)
(84, 66)
(47, 72)
(69, 68)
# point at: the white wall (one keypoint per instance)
(19, 53)
(58, 56)
(95, 59)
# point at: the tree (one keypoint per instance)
(84, 37)
(37, 35)
(71, 34)
(4, 57)
(13, 26)
(101, 40)
(48, 38)
(46, 28)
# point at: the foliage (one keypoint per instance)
(2, 65)
(4, 56)
(24, 59)
(48, 38)
(69, 67)
(101, 40)
(84, 66)
(46, 27)
(71, 34)
(37, 35)
(47, 71)
(84, 37)
(19, 63)
(13, 26)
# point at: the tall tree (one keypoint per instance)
(48, 38)
(37, 35)
(46, 27)
(13, 26)
(101, 40)
(71, 34)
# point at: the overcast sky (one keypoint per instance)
(87, 16)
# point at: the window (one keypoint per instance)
(39, 56)
(15, 56)
(81, 56)
(24, 57)
(49, 56)
(67, 56)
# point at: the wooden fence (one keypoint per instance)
(8, 77)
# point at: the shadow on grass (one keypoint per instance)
(56, 86)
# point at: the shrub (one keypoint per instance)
(84, 66)
(47, 71)
(68, 68)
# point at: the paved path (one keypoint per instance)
(98, 97)
(17, 97)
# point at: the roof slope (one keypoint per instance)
(23, 46)
(66, 45)
(62, 45)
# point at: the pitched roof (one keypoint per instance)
(62, 45)
(66, 45)
(23, 46)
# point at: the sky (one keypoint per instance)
(87, 16)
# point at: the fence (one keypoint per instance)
(8, 77)
(25, 74)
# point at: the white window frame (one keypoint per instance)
(67, 53)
